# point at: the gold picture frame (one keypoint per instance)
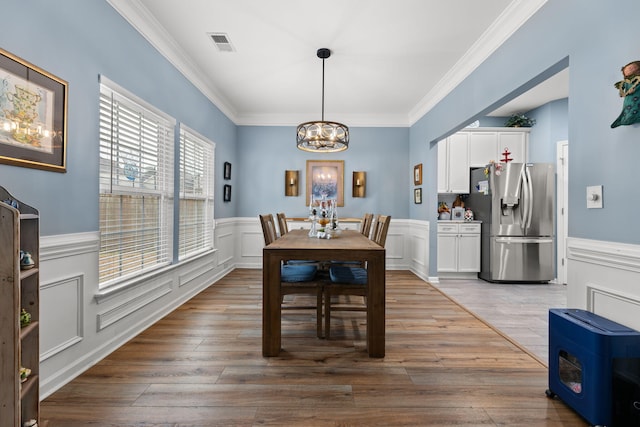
(417, 174)
(325, 178)
(33, 116)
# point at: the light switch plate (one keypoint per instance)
(594, 197)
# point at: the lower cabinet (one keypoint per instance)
(458, 247)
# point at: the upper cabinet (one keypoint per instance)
(489, 143)
(453, 164)
(475, 149)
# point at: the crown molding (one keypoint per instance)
(134, 12)
(512, 18)
(509, 21)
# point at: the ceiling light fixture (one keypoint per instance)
(322, 136)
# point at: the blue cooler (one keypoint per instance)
(594, 367)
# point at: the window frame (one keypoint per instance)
(206, 224)
(122, 114)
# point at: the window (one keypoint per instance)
(136, 186)
(196, 194)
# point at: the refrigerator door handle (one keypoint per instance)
(529, 197)
(523, 205)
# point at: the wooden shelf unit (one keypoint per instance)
(19, 346)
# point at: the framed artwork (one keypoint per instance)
(417, 174)
(227, 193)
(417, 196)
(325, 178)
(33, 116)
(227, 170)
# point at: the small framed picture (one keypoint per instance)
(227, 193)
(227, 170)
(457, 214)
(417, 174)
(417, 196)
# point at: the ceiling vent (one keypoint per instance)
(222, 42)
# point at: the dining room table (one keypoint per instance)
(348, 245)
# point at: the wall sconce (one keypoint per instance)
(359, 183)
(290, 183)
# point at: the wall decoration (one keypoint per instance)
(325, 178)
(33, 116)
(628, 89)
(227, 170)
(417, 174)
(227, 193)
(417, 196)
(359, 184)
(291, 183)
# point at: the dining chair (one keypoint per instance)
(282, 223)
(351, 281)
(365, 229)
(365, 224)
(380, 229)
(296, 279)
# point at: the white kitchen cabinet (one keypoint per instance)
(489, 144)
(483, 147)
(453, 164)
(458, 247)
(516, 142)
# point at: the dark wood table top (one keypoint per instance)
(348, 243)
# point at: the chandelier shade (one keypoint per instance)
(322, 136)
(328, 137)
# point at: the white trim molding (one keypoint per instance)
(602, 277)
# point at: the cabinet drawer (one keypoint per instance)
(447, 228)
(469, 228)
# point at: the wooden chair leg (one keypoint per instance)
(319, 313)
(327, 313)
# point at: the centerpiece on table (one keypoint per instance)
(323, 215)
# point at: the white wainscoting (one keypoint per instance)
(82, 324)
(603, 277)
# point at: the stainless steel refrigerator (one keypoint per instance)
(516, 207)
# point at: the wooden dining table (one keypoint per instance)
(349, 245)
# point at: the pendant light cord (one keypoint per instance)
(323, 89)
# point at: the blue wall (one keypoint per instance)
(78, 41)
(266, 152)
(551, 126)
(596, 41)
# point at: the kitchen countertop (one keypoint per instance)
(459, 221)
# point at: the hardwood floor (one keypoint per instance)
(202, 366)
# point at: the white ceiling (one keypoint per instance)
(390, 63)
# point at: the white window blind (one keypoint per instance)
(196, 194)
(136, 186)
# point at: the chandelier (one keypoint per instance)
(323, 136)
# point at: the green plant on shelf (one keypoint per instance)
(519, 120)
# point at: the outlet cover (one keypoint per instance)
(594, 197)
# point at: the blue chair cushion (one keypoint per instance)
(351, 275)
(298, 273)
